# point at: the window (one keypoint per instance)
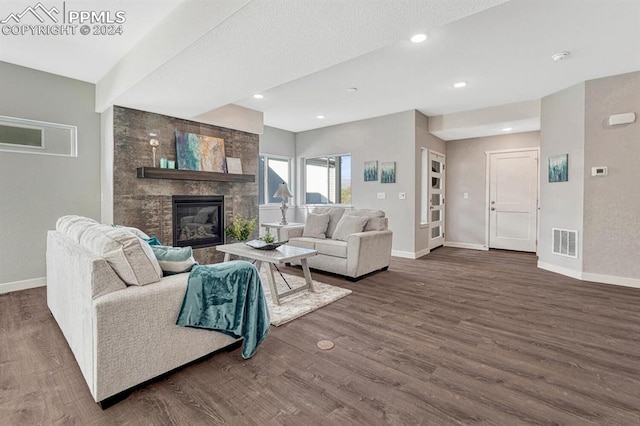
(272, 172)
(37, 137)
(328, 180)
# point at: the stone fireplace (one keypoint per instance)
(148, 203)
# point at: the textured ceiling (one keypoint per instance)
(185, 58)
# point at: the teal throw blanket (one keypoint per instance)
(227, 297)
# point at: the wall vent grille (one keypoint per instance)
(565, 242)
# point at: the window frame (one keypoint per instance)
(303, 189)
(61, 147)
(264, 179)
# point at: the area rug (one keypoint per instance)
(299, 304)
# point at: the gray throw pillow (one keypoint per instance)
(349, 225)
(316, 226)
(335, 213)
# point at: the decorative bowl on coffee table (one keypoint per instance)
(261, 245)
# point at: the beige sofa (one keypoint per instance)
(357, 255)
(121, 333)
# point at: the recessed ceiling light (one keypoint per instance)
(258, 96)
(320, 117)
(459, 84)
(559, 56)
(352, 89)
(507, 129)
(418, 38)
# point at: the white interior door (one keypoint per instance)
(513, 200)
(436, 199)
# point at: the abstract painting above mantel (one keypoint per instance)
(198, 152)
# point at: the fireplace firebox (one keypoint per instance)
(198, 220)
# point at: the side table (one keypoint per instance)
(278, 226)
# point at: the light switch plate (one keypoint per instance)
(402, 196)
(465, 195)
(599, 171)
(382, 195)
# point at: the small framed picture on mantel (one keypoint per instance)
(234, 166)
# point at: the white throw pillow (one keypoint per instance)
(349, 225)
(129, 256)
(316, 226)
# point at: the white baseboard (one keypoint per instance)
(587, 276)
(421, 253)
(560, 270)
(22, 285)
(611, 279)
(465, 245)
(403, 254)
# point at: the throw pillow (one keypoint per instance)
(335, 213)
(316, 226)
(129, 256)
(376, 224)
(174, 260)
(349, 225)
(137, 232)
(153, 241)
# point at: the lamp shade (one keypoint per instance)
(283, 191)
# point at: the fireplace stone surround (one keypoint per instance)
(147, 203)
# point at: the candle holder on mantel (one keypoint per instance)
(154, 142)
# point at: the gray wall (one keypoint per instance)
(388, 138)
(612, 203)
(424, 139)
(37, 189)
(561, 204)
(283, 143)
(466, 172)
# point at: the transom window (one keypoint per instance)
(328, 179)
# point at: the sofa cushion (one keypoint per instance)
(302, 242)
(74, 226)
(377, 220)
(332, 248)
(130, 257)
(316, 226)
(349, 225)
(174, 260)
(365, 212)
(335, 213)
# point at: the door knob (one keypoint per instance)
(493, 208)
(493, 202)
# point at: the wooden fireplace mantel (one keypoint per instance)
(176, 174)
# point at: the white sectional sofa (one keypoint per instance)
(116, 310)
(353, 255)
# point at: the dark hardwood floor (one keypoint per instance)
(457, 337)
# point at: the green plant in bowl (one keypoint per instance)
(268, 238)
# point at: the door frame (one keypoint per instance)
(487, 172)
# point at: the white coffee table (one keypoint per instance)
(283, 254)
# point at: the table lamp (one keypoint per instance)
(283, 192)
